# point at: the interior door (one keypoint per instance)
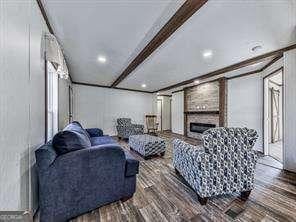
(159, 114)
(275, 115)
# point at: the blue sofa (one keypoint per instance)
(75, 181)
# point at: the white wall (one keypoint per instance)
(178, 112)
(166, 112)
(22, 92)
(100, 107)
(290, 110)
(245, 105)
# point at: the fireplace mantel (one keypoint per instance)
(202, 112)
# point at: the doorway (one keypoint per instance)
(159, 114)
(273, 115)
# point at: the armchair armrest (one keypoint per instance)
(94, 132)
(185, 153)
(138, 126)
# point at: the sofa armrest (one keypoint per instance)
(132, 165)
(93, 155)
(45, 156)
(94, 132)
(90, 166)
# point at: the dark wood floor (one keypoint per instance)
(162, 196)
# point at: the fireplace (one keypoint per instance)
(200, 127)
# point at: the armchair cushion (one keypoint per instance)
(94, 132)
(67, 141)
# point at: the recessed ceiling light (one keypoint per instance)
(102, 59)
(207, 53)
(157, 93)
(143, 85)
(196, 81)
(256, 48)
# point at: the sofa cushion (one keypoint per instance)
(131, 166)
(102, 140)
(94, 132)
(66, 141)
(77, 127)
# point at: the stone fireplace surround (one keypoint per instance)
(204, 103)
(200, 118)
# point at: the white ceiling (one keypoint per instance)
(120, 29)
(229, 28)
(117, 30)
(237, 72)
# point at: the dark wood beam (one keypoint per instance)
(164, 95)
(177, 20)
(180, 90)
(258, 70)
(272, 61)
(103, 86)
(245, 74)
(277, 53)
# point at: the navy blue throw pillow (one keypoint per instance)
(77, 127)
(67, 141)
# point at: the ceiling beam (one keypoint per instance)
(271, 62)
(245, 74)
(177, 20)
(108, 87)
(278, 53)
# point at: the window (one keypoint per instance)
(52, 101)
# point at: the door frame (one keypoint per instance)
(274, 93)
(160, 113)
(265, 126)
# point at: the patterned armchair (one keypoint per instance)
(125, 128)
(225, 164)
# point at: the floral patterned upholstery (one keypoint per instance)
(125, 128)
(224, 164)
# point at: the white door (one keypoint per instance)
(159, 114)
